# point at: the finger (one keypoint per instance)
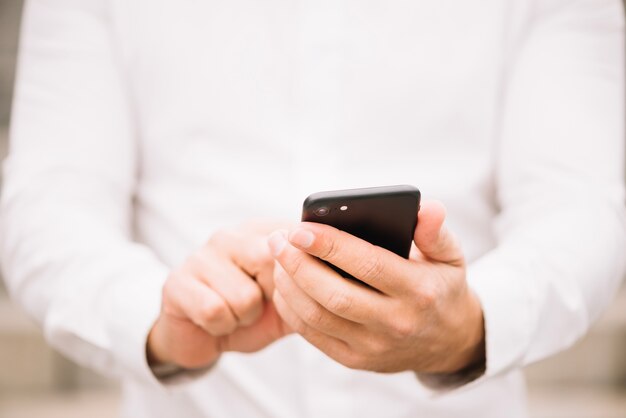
(345, 298)
(268, 329)
(250, 253)
(262, 271)
(312, 313)
(241, 293)
(202, 305)
(333, 347)
(433, 239)
(379, 268)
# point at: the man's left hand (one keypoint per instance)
(417, 314)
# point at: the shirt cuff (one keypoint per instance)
(172, 376)
(136, 307)
(136, 304)
(444, 382)
(506, 311)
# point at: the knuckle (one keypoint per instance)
(441, 244)
(299, 326)
(313, 316)
(197, 259)
(330, 248)
(339, 302)
(370, 267)
(168, 308)
(377, 347)
(296, 266)
(258, 264)
(426, 298)
(170, 292)
(213, 313)
(280, 277)
(249, 298)
(255, 256)
(266, 265)
(170, 285)
(260, 253)
(218, 237)
(402, 329)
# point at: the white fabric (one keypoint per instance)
(141, 126)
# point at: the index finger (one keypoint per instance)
(376, 266)
(249, 252)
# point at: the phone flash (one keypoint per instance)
(344, 207)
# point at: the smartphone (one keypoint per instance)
(384, 216)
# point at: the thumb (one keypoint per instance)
(432, 237)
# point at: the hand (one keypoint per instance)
(218, 300)
(416, 314)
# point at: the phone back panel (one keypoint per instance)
(383, 216)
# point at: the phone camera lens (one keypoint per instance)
(322, 211)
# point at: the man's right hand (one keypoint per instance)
(217, 301)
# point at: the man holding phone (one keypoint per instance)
(147, 134)
(417, 315)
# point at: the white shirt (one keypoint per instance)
(141, 126)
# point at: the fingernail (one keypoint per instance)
(276, 242)
(302, 238)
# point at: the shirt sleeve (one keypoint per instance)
(66, 210)
(561, 228)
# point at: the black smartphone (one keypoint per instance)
(384, 216)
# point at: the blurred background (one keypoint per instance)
(587, 381)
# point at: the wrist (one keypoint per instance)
(474, 353)
(165, 352)
(470, 363)
(161, 363)
(156, 350)
(470, 347)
